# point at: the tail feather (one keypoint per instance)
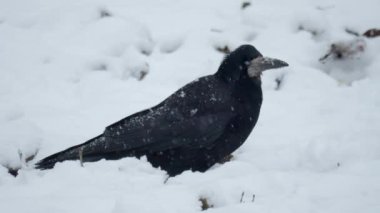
(72, 153)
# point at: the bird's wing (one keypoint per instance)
(161, 129)
(194, 116)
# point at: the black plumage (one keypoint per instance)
(194, 128)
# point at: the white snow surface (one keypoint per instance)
(70, 68)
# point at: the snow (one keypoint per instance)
(182, 94)
(71, 68)
(193, 112)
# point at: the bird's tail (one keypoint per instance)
(72, 153)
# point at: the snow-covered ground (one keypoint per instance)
(70, 68)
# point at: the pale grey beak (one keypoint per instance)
(260, 64)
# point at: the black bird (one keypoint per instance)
(194, 128)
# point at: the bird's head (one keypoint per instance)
(246, 61)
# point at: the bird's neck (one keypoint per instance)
(249, 89)
(229, 71)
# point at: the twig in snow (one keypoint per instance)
(224, 49)
(279, 81)
(205, 203)
(104, 13)
(352, 32)
(242, 196)
(245, 4)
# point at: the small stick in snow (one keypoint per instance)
(245, 5)
(19, 154)
(279, 80)
(352, 32)
(104, 13)
(224, 49)
(242, 196)
(205, 203)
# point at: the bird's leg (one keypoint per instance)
(166, 179)
(81, 156)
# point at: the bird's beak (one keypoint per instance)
(260, 64)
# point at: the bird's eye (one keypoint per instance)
(247, 63)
